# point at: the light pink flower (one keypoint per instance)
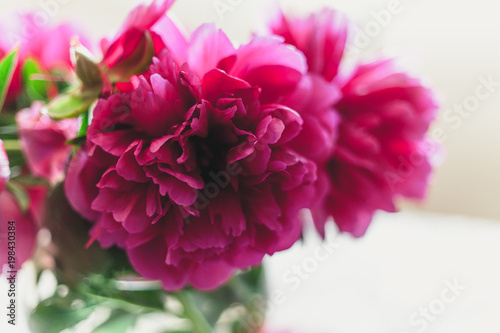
(26, 223)
(381, 152)
(4, 167)
(44, 142)
(190, 172)
(50, 46)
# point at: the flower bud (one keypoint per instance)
(86, 68)
(129, 55)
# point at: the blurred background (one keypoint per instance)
(434, 267)
(452, 45)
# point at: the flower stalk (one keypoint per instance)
(200, 324)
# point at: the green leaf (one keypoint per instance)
(242, 288)
(13, 145)
(73, 103)
(36, 88)
(99, 285)
(118, 322)
(78, 141)
(56, 314)
(7, 69)
(85, 124)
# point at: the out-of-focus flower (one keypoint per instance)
(50, 46)
(314, 100)
(381, 151)
(377, 151)
(22, 226)
(321, 37)
(4, 167)
(44, 142)
(26, 224)
(190, 172)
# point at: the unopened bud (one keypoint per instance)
(86, 68)
(130, 55)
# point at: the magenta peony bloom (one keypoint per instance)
(314, 100)
(381, 151)
(190, 173)
(26, 223)
(321, 37)
(50, 46)
(44, 142)
(377, 153)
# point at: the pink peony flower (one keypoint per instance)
(377, 153)
(4, 167)
(44, 142)
(381, 151)
(26, 223)
(190, 172)
(321, 37)
(49, 45)
(314, 100)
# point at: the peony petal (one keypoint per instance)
(207, 48)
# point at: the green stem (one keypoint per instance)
(200, 323)
(120, 303)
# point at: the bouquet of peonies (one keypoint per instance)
(162, 174)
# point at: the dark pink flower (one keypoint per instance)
(190, 172)
(381, 151)
(321, 37)
(314, 99)
(374, 150)
(44, 142)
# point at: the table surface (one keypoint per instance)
(413, 272)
